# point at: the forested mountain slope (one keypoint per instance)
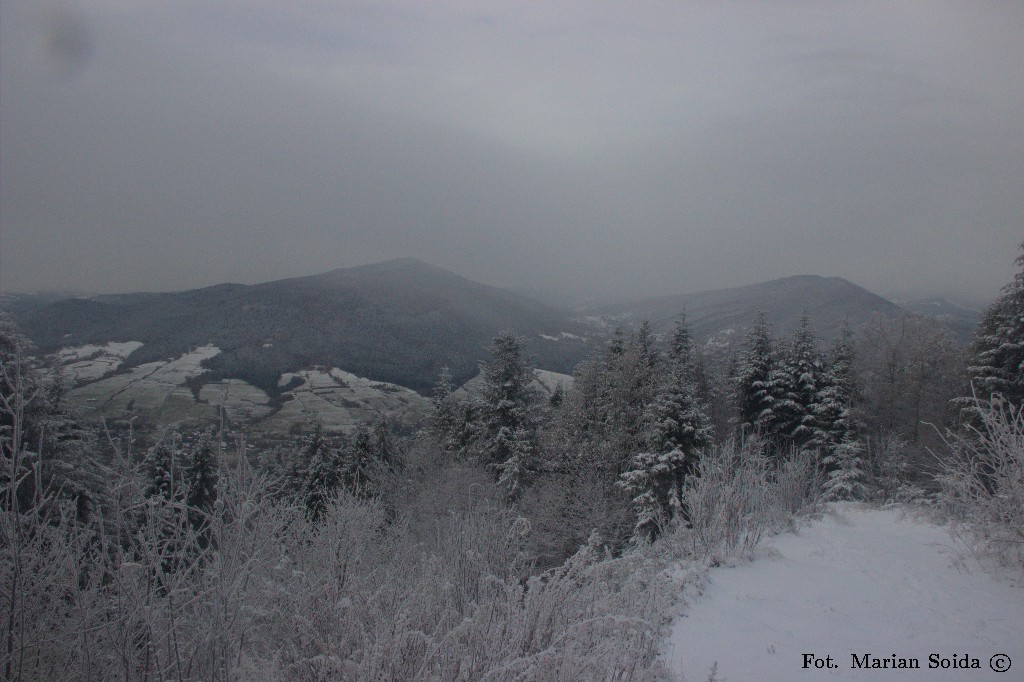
(399, 321)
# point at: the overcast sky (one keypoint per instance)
(617, 148)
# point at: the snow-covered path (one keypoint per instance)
(860, 581)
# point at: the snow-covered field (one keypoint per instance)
(158, 390)
(341, 401)
(90, 362)
(860, 582)
(544, 381)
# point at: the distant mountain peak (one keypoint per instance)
(828, 301)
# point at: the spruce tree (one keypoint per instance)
(443, 418)
(677, 429)
(998, 349)
(384, 446)
(796, 388)
(163, 470)
(846, 476)
(360, 460)
(201, 476)
(69, 465)
(756, 363)
(652, 481)
(509, 428)
(677, 418)
(320, 471)
(838, 396)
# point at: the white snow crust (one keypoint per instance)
(859, 581)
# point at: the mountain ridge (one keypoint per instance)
(827, 301)
(399, 321)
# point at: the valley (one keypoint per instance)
(365, 343)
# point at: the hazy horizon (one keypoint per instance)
(566, 148)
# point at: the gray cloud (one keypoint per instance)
(576, 147)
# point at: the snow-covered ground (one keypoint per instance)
(880, 583)
(156, 388)
(544, 381)
(90, 362)
(341, 401)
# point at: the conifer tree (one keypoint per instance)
(513, 469)
(998, 349)
(677, 418)
(359, 461)
(384, 447)
(509, 428)
(837, 396)
(756, 362)
(443, 418)
(163, 470)
(846, 476)
(796, 388)
(69, 465)
(678, 428)
(319, 470)
(201, 476)
(652, 482)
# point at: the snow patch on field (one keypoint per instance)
(156, 388)
(549, 381)
(544, 381)
(860, 581)
(90, 362)
(561, 335)
(341, 401)
(241, 400)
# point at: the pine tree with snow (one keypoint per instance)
(677, 430)
(201, 476)
(677, 418)
(320, 470)
(163, 470)
(512, 471)
(653, 482)
(838, 396)
(846, 476)
(998, 349)
(754, 372)
(795, 387)
(68, 466)
(360, 460)
(507, 402)
(443, 418)
(45, 450)
(631, 383)
(385, 448)
(557, 396)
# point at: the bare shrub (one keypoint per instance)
(737, 494)
(982, 482)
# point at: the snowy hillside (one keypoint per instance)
(879, 584)
(161, 391)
